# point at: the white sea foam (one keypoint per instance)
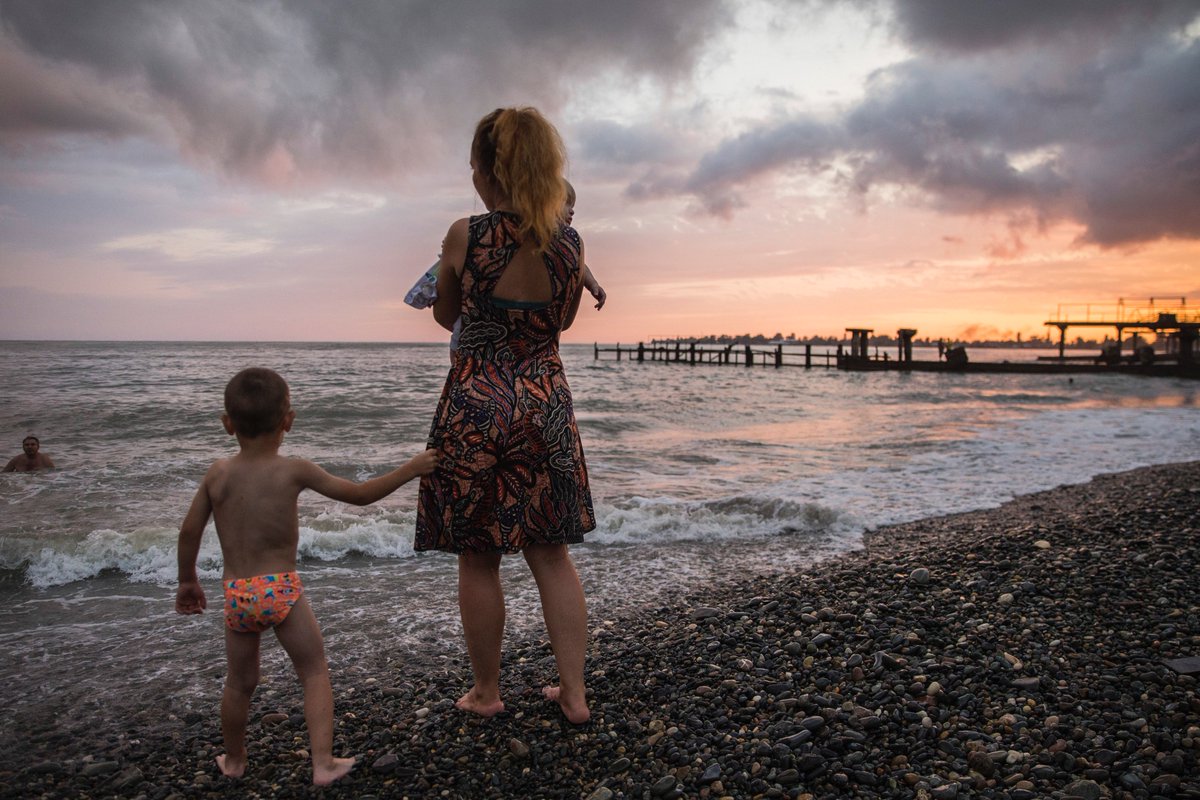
(664, 521)
(142, 556)
(149, 555)
(387, 537)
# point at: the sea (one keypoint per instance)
(700, 474)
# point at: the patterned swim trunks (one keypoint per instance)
(254, 604)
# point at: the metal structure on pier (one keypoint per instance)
(1172, 319)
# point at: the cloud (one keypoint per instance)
(606, 142)
(192, 244)
(984, 24)
(759, 151)
(282, 93)
(1002, 111)
(1080, 110)
(37, 98)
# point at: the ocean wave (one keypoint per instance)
(658, 520)
(148, 555)
(608, 424)
(140, 555)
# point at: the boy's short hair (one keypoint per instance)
(256, 400)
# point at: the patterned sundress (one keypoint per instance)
(512, 471)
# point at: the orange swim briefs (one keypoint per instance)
(254, 604)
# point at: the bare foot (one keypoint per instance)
(323, 776)
(231, 768)
(575, 709)
(484, 708)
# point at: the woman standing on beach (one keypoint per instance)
(513, 478)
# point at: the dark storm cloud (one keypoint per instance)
(981, 24)
(760, 151)
(34, 103)
(1084, 111)
(305, 89)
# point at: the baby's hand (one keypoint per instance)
(190, 599)
(426, 462)
(600, 295)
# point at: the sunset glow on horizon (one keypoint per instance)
(285, 171)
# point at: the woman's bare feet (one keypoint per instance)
(575, 709)
(340, 767)
(231, 768)
(484, 707)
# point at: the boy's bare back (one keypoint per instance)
(254, 504)
(252, 497)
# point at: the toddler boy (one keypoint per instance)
(252, 497)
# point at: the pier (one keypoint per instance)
(1175, 325)
(681, 351)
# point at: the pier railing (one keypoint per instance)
(1129, 313)
(682, 352)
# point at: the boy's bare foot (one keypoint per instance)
(476, 705)
(231, 768)
(339, 768)
(575, 709)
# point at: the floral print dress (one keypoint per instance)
(512, 471)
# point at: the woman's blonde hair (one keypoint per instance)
(519, 151)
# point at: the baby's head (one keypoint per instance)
(569, 203)
(257, 402)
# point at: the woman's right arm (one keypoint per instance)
(448, 306)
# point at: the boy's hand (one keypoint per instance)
(190, 599)
(426, 462)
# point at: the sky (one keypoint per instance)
(284, 171)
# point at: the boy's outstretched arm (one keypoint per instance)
(189, 597)
(367, 492)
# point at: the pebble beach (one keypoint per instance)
(1018, 652)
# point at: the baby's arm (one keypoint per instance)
(573, 302)
(362, 494)
(189, 597)
(593, 286)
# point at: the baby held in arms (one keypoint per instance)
(423, 294)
